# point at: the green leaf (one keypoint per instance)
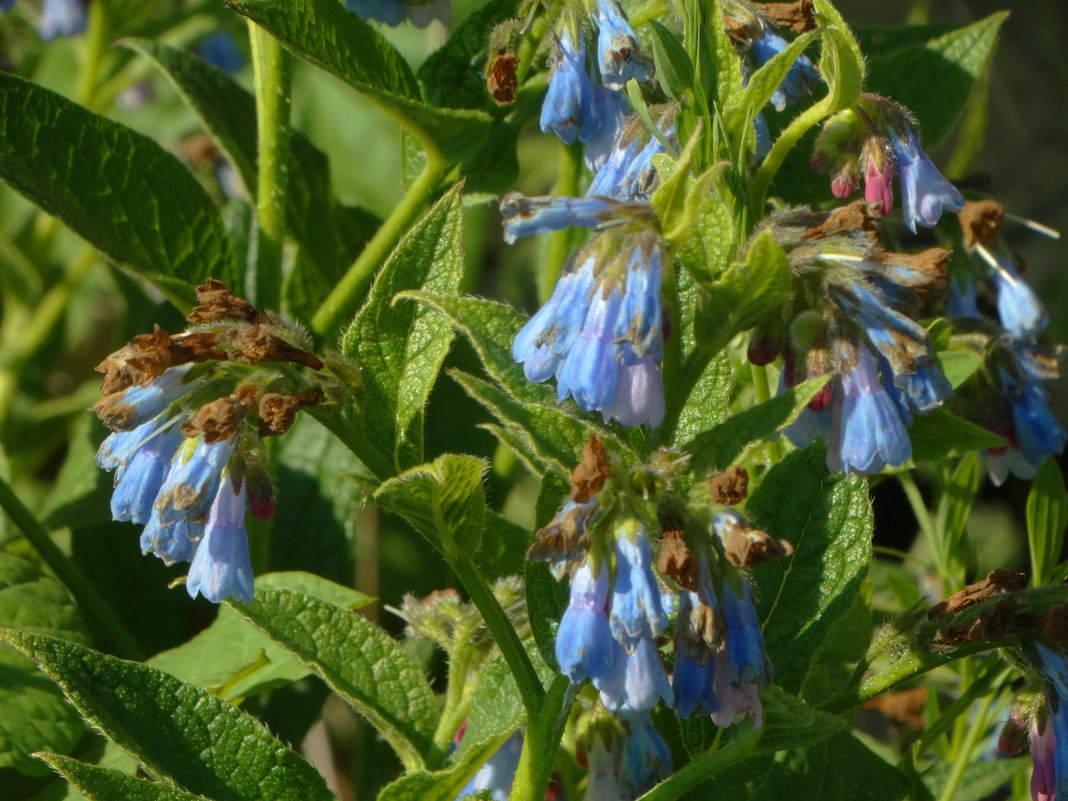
(452, 75)
(674, 69)
(727, 443)
(358, 660)
(114, 187)
(235, 660)
(791, 723)
(495, 713)
(34, 715)
(708, 403)
(940, 434)
(174, 730)
(839, 768)
(1047, 516)
(329, 234)
(841, 62)
(958, 364)
(104, 784)
(550, 436)
(744, 293)
(828, 520)
(982, 779)
(503, 545)
(950, 65)
(444, 500)
(340, 42)
(400, 346)
(955, 504)
(765, 81)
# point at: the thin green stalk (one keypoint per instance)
(456, 695)
(540, 743)
(927, 526)
(762, 390)
(108, 626)
(504, 634)
(96, 36)
(975, 729)
(341, 304)
(274, 77)
(791, 135)
(703, 768)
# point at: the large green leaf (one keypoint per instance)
(358, 660)
(338, 41)
(444, 500)
(400, 346)
(940, 434)
(329, 234)
(708, 404)
(828, 520)
(1047, 516)
(841, 63)
(114, 187)
(719, 447)
(33, 714)
(175, 731)
(104, 784)
(235, 660)
(950, 64)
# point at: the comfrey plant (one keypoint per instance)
(701, 513)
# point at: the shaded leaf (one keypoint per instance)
(940, 434)
(104, 784)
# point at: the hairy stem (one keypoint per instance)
(540, 743)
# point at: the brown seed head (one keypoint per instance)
(996, 581)
(981, 221)
(589, 476)
(149, 355)
(748, 547)
(217, 303)
(730, 487)
(254, 345)
(502, 81)
(799, 16)
(278, 412)
(219, 419)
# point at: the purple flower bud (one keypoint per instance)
(924, 190)
(879, 185)
(221, 565)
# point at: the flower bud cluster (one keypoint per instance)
(188, 413)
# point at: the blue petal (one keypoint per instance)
(1021, 313)
(924, 190)
(193, 482)
(799, 80)
(529, 216)
(584, 644)
(636, 609)
(618, 52)
(221, 566)
(174, 543)
(62, 18)
(568, 109)
(589, 370)
(141, 478)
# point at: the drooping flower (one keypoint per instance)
(584, 644)
(925, 192)
(618, 53)
(221, 566)
(644, 758)
(569, 109)
(1021, 312)
(394, 12)
(139, 479)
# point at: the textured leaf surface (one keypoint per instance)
(338, 41)
(357, 659)
(707, 405)
(719, 447)
(950, 64)
(329, 233)
(34, 715)
(444, 500)
(174, 730)
(114, 187)
(791, 723)
(941, 434)
(828, 520)
(103, 784)
(400, 346)
(236, 660)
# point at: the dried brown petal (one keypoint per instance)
(219, 303)
(677, 561)
(850, 218)
(730, 487)
(589, 476)
(799, 16)
(253, 345)
(981, 221)
(931, 266)
(278, 412)
(996, 581)
(748, 547)
(114, 412)
(564, 535)
(149, 355)
(502, 81)
(992, 626)
(219, 419)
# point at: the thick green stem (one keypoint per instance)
(107, 625)
(342, 301)
(504, 634)
(96, 36)
(758, 187)
(703, 768)
(540, 743)
(456, 695)
(274, 73)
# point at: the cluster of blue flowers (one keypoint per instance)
(58, 17)
(1012, 394)
(872, 140)
(185, 466)
(620, 608)
(853, 317)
